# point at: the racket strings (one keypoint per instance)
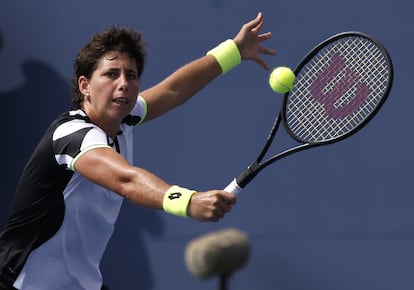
(337, 90)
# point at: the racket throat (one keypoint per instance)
(248, 174)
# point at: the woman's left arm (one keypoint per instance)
(185, 82)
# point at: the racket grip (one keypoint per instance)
(233, 187)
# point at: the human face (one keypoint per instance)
(111, 92)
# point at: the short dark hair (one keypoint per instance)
(114, 38)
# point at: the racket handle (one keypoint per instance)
(233, 187)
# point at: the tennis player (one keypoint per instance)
(70, 192)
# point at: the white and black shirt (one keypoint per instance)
(60, 222)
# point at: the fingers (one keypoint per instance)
(253, 24)
(262, 63)
(222, 203)
(259, 24)
(249, 41)
(211, 205)
(265, 36)
(223, 206)
(265, 51)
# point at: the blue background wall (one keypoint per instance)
(337, 217)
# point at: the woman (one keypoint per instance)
(70, 192)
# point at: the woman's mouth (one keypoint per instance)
(121, 101)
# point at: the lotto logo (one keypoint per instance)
(174, 195)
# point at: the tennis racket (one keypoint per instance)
(340, 85)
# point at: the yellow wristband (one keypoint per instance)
(227, 55)
(176, 200)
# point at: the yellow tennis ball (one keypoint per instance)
(282, 79)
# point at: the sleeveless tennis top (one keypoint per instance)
(60, 222)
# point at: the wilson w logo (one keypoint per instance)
(339, 101)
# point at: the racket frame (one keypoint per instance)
(310, 56)
(257, 165)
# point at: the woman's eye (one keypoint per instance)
(132, 76)
(110, 74)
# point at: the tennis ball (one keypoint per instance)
(281, 79)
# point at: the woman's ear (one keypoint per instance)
(83, 84)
